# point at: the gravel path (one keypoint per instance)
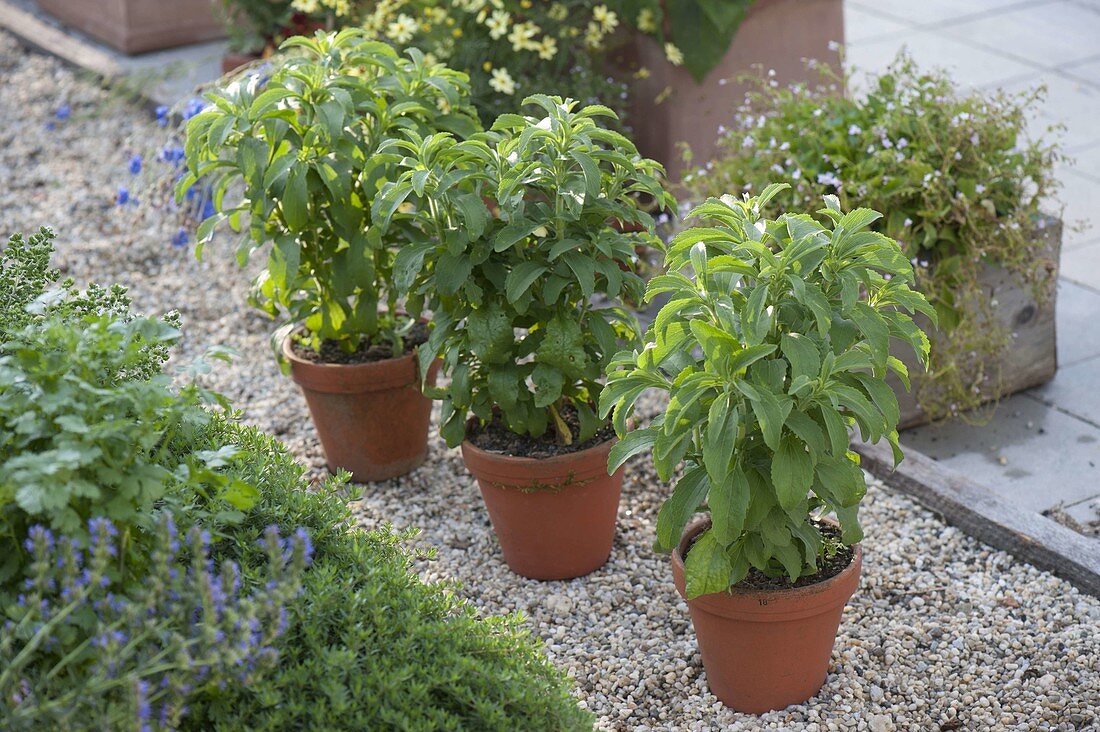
(943, 634)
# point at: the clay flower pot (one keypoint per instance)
(766, 649)
(372, 418)
(554, 517)
(233, 60)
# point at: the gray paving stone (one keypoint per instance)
(1045, 34)
(1068, 101)
(1078, 321)
(863, 25)
(938, 12)
(1030, 453)
(1081, 264)
(1074, 390)
(1085, 512)
(1081, 196)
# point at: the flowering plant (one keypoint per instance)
(300, 157)
(518, 239)
(775, 340)
(961, 182)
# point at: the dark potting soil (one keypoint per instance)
(331, 352)
(827, 568)
(496, 437)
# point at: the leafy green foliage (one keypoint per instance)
(301, 157)
(770, 350)
(517, 244)
(959, 178)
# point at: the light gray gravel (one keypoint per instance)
(943, 634)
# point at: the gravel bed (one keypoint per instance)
(944, 632)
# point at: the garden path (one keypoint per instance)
(1041, 449)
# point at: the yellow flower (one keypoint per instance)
(498, 23)
(674, 55)
(548, 48)
(402, 29)
(525, 4)
(306, 6)
(558, 12)
(641, 73)
(606, 18)
(521, 36)
(487, 65)
(457, 32)
(593, 37)
(502, 82)
(647, 21)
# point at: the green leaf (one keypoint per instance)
(687, 496)
(771, 412)
(729, 503)
(802, 354)
(521, 278)
(721, 437)
(295, 202)
(630, 445)
(562, 346)
(792, 472)
(548, 383)
(707, 566)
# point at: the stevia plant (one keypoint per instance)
(295, 160)
(961, 181)
(775, 342)
(523, 228)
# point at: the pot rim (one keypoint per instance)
(749, 604)
(295, 359)
(566, 458)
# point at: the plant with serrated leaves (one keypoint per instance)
(774, 346)
(519, 239)
(295, 161)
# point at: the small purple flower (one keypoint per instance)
(63, 112)
(193, 108)
(162, 115)
(828, 179)
(180, 239)
(135, 164)
(123, 196)
(171, 154)
(208, 209)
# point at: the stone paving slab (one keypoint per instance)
(1077, 322)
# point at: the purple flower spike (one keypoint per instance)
(180, 239)
(135, 164)
(64, 112)
(162, 115)
(123, 196)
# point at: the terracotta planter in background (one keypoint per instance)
(233, 60)
(766, 649)
(777, 34)
(372, 419)
(555, 517)
(136, 26)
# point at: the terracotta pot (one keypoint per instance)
(372, 418)
(136, 26)
(555, 517)
(766, 649)
(233, 60)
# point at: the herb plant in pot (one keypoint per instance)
(524, 272)
(295, 163)
(774, 345)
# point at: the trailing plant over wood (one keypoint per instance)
(522, 233)
(774, 342)
(295, 162)
(961, 182)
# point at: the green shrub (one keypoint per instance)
(369, 645)
(959, 180)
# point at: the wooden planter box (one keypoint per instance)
(776, 34)
(1030, 359)
(136, 26)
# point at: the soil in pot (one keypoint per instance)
(553, 507)
(367, 406)
(766, 644)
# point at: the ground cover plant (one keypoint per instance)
(519, 237)
(774, 342)
(960, 182)
(295, 159)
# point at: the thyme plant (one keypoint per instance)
(960, 180)
(774, 342)
(522, 229)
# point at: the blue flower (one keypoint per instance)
(208, 209)
(64, 112)
(192, 108)
(123, 196)
(171, 154)
(179, 241)
(162, 115)
(135, 164)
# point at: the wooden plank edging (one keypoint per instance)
(981, 513)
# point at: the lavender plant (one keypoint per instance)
(189, 627)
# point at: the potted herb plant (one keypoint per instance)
(964, 186)
(295, 163)
(775, 344)
(524, 270)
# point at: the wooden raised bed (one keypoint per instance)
(1030, 359)
(136, 26)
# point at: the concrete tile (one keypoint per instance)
(1076, 315)
(1074, 390)
(1046, 34)
(1068, 102)
(1086, 162)
(970, 66)
(1086, 512)
(1081, 196)
(1032, 454)
(863, 25)
(938, 12)
(1087, 72)
(1081, 264)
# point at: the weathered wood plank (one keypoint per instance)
(981, 513)
(38, 34)
(1030, 358)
